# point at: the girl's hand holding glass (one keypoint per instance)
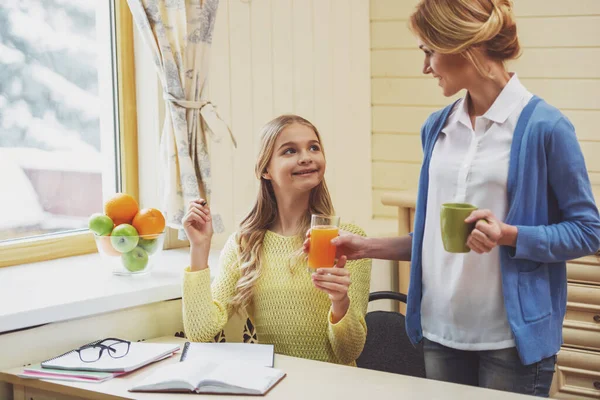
(335, 282)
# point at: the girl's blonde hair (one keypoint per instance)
(264, 213)
(466, 26)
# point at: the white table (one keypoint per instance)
(306, 379)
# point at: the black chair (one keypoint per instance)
(387, 347)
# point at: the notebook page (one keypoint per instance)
(176, 376)
(250, 377)
(256, 354)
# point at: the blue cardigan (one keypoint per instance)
(550, 201)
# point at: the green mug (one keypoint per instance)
(455, 230)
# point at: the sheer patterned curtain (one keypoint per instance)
(179, 35)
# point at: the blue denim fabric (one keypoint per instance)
(492, 369)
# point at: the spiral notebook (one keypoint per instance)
(139, 355)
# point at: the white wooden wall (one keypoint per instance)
(309, 57)
(560, 63)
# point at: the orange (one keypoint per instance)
(121, 208)
(149, 221)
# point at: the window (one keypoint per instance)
(67, 122)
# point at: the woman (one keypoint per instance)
(262, 268)
(491, 317)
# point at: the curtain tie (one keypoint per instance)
(209, 113)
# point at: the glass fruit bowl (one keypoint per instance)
(131, 255)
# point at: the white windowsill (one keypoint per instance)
(74, 287)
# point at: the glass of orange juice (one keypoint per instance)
(323, 228)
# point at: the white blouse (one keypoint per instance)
(462, 305)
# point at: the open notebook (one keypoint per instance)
(139, 354)
(202, 376)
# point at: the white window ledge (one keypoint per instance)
(81, 286)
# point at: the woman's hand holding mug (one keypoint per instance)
(487, 232)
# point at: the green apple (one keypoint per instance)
(124, 238)
(135, 260)
(150, 245)
(100, 224)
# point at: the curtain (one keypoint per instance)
(179, 35)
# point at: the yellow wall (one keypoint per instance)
(560, 63)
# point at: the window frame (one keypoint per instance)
(49, 247)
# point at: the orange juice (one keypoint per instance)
(322, 252)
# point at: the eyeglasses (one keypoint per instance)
(116, 348)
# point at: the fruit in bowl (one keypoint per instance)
(105, 246)
(100, 224)
(121, 208)
(150, 245)
(149, 221)
(137, 260)
(124, 238)
(131, 239)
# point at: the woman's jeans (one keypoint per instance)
(492, 369)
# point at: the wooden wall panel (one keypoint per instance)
(395, 9)
(549, 32)
(308, 57)
(560, 63)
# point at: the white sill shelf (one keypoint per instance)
(81, 286)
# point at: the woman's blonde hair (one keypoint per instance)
(264, 213)
(467, 26)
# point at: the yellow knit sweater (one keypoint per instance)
(287, 310)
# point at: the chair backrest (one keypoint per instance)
(388, 348)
